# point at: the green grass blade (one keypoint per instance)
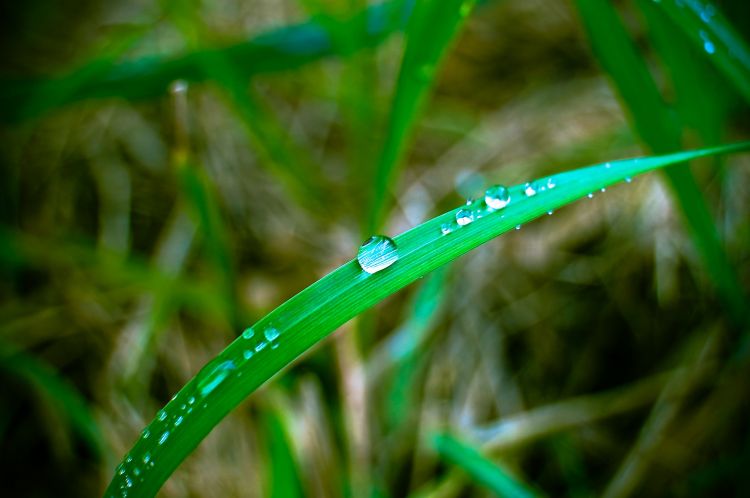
(67, 398)
(658, 127)
(283, 473)
(483, 470)
(292, 328)
(433, 26)
(278, 50)
(714, 36)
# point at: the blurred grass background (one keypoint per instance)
(173, 171)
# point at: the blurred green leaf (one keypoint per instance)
(292, 328)
(277, 50)
(483, 470)
(66, 397)
(431, 30)
(658, 126)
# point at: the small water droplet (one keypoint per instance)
(550, 212)
(628, 179)
(603, 189)
(248, 333)
(529, 189)
(497, 197)
(446, 228)
(146, 434)
(464, 217)
(707, 13)
(708, 45)
(161, 415)
(607, 165)
(551, 183)
(147, 458)
(128, 482)
(178, 421)
(261, 346)
(191, 400)
(120, 469)
(136, 471)
(271, 333)
(163, 438)
(129, 459)
(247, 354)
(377, 253)
(590, 195)
(518, 227)
(214, 377)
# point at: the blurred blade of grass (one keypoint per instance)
(712, 34)
(484, 471)
(295, 326)
(131, 276)
(702, 98)
(431, 30)
(277, 50)
(198, 191)
(66, 397)
(657, 125)
(283, 474)
(292, 165)
(412, 334)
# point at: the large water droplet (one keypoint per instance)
(271, 333)
(212, 379)
(464, 216)
(377, 253)
(497, 197)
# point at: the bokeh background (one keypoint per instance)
(152, 209)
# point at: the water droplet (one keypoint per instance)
(261, 346)
(136, 471)
(590, 195)
(120, 469)
(518, 227)
(603, 189)
(550, 212)
(163, 437)
(214, 377)
(178, 421)
(446, 228)
(708, 45)
(247, 354)
(607, 165)
(147, 458)
(707, 13)
(529, 189)
(128, 482)
(191, 400)
(628, 179)
(129, 459)
(464, 217)
(469, 201)
(377, 253)
(551, 183)
(146, 434)
(161, 415)
(271, 333)
(248, 333)
(497, 197)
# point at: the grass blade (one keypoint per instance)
(292, 328)
(148, 77)
(713, 35)
(432, 28)
(483, 470)
(657, 126)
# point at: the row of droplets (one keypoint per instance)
(495, 198)
(169, 419)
